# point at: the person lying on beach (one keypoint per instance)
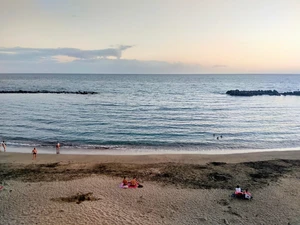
(34, 152)
(247, 194)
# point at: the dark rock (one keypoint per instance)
(261, 92)
(252, 93)
(297, 93)
(49, 92)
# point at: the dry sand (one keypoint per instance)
(178, 189)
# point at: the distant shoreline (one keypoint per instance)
(103, 151)
(267, 74)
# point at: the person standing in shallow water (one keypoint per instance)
(57, 146)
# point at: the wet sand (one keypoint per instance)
(25, 158)
(178, 189)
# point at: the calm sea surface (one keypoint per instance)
(149, 113)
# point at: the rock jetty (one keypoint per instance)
(260, 92)
(49, 92)
(292, 93)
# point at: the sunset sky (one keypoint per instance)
(157, 36)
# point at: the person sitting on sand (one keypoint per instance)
(125, 182)
(133, 182)
(238, 189)
(34, 152)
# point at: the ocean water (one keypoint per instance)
(149, 113)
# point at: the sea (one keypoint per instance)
(149, 114)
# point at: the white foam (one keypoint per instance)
(135, 151)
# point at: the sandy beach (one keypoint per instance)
(178, 189)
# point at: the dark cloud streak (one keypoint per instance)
(28, 54)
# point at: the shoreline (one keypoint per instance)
(25, 158)
(140, 151)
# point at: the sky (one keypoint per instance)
(153, 36)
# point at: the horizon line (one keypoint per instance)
(1, 73)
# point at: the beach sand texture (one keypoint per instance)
(32, 200)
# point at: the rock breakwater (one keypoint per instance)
(260, 92)
(49, 92)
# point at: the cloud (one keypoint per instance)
(72, 60)
(33, 54)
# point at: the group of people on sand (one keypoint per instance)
(34, 151)
(133, 183)
(239, 193)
